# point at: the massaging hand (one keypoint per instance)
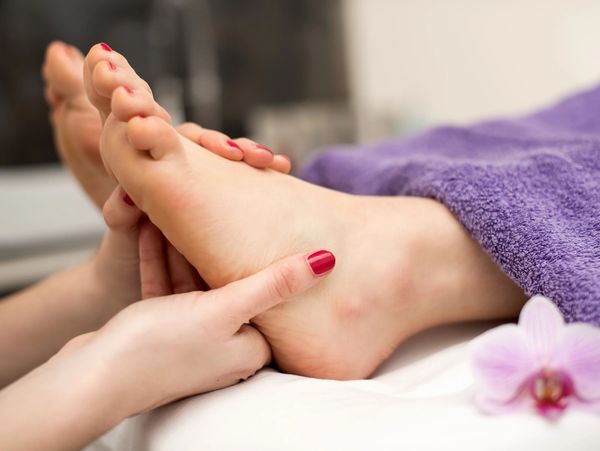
(192, 342)
(135, 260)
(167, 348)
(150, 353)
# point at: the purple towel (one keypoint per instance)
(527, 189)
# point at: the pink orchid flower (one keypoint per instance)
(541, 363)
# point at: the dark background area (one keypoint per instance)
(226, 56)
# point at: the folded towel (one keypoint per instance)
(527, 189)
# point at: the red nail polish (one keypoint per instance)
(233, 144)
(105, 46)
(128, 200)
(321, 262)
(111, 66)
(128, 89)
(260, 146)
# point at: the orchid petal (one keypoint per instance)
(578, 355)
(542, 322)
(501, 362)
(590, 407)
(488, 405)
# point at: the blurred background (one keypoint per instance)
(296, 75)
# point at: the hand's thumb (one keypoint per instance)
(246, 298)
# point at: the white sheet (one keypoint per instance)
(421, 399)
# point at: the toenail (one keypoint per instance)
(68, 49)
(260, 146)
(233, 144)
(128, 200)
(321, 262)
(105, 46)
(128, 89)
(111, 66)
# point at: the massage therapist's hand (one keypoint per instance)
(166, 348)
(150, 353)
(135, 261)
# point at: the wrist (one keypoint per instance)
(87, 371)
(115, 271)
(71, 400)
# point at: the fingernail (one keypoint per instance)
(128, 89)
(128, 200)
(260, 146)
(233, 144)
(321, 262)
(111, 66)
(105, 46)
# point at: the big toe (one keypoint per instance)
(63, 71)
(104, 71)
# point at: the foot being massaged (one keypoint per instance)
(440, 228)
(230, 220)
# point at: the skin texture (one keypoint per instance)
(407, 263)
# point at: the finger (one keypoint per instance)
(183, 275)
(122, 218)
(154, 275)
(255, 351)
(281, 163)
(240, 301)
(119, 211)
(214, 141)
(255, 155)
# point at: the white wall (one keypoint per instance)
(414, 63)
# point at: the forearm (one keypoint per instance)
(62, 405)
(35, 323)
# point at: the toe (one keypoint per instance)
(155, 135)
(104, 71)
(62, 70)
(127, 103)
(214, 141)
(255, 155)
(281, 163)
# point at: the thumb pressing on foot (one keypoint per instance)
(240, 301)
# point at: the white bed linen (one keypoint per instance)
(420, 399)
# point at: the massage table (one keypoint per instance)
(421, 398)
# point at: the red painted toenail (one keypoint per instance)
(321, 262)
(128, 200)
(233, 144)
(105, 46)
(128, 89)
(260, 146)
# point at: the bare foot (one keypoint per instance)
(77, 126)
(75, 121)
(403, 264)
